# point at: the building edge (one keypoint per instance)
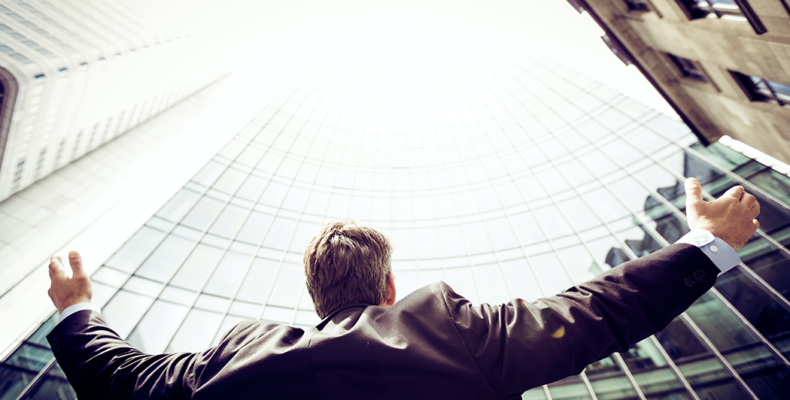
(616, 45)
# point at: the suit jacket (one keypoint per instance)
(431, 344)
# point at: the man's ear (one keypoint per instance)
(391, 292)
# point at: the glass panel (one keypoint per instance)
(229, 274)
(280, 234)
(527, 228)
(230, 181)
(197, 267)
(476, 238)
(157, 327)
(178, 205)
(196, 332)
(229, 221)
(53, 385)
(521, 280)
(705, 374)
(652, 373)
(570, 388)
(124, 310)
(492, 286)
(286, 291)
(552, 222)
(137, 249)
(426, 243)
(550, 273)
(740, 347)
(167, 257)
(203, 213)
(258, 281)
(30, 358)
(534, 394)
(13, 381)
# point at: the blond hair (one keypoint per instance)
(347, 263)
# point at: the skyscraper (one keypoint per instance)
(518, 179)
(722, 64)
(60, 99)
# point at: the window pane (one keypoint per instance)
(229, 274)
(550, 273)
(157, 327)
(521, 280)
(286, 290)
(229, 221)
(260, 278)
(137, 249)
(124, 310)
(197, 267)
(203, 213)
(165, 259)
(178, 205)
(196, 332)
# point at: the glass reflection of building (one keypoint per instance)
(527, 178)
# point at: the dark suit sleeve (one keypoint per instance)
(101, 365)
(520, 345)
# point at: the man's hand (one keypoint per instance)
(68, 290)
(730, 218)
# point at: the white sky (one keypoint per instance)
(408, 39)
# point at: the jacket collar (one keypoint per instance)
(336, 311)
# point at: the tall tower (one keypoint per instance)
(518, 179)
(722, 64)
(75, 75)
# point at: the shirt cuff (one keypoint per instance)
(77, 307)
(721, 253)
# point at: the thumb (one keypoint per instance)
(76, 263)
(693, 198)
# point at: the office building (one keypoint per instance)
(519, 179)
(724, 65)
(75, 75)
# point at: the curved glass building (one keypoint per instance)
(519, 179)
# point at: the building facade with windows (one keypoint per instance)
(724, 65)
(78, 74)
(519, 180)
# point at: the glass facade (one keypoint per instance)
(519, 180)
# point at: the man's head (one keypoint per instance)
(348, 263)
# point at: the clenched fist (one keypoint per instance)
(68, 290)
(730, 218)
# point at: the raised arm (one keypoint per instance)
(101, 365)
(521, 345)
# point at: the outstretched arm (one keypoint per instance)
(101, 365)
(520, 345)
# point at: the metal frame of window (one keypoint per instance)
(754, 93)
(697, 9)
(688, 68)
(637, 5)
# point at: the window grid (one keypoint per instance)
(699, 331)
(618, 357)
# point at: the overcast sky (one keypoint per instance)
(427, 34)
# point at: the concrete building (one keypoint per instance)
(723, 65)
(520, 179)
(75, 75)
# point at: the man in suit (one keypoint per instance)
(431, 344)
